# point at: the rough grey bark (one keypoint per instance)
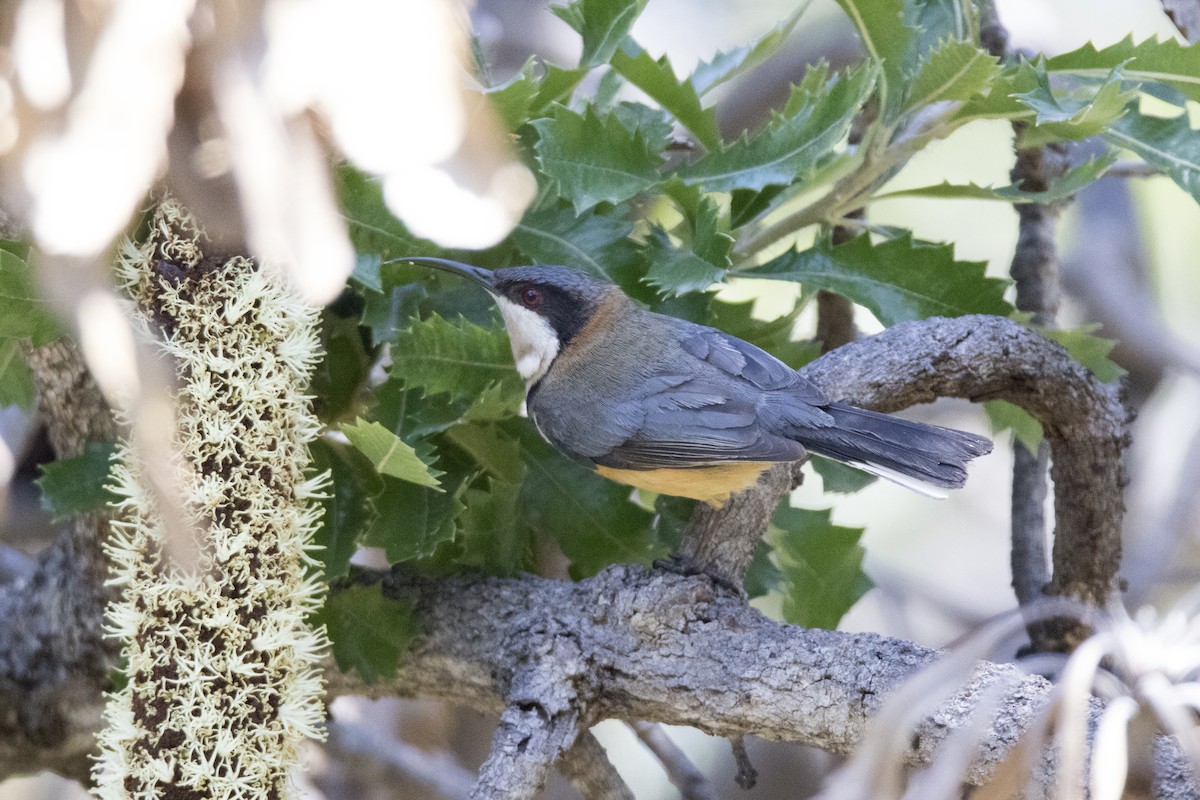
(637, 645)
(54, 664)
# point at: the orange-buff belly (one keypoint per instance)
(710, 484)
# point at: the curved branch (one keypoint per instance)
(981, 358)
(587, 767)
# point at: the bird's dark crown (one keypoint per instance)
(565, 297)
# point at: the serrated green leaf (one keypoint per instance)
(77, 485)
(459, 358)
(595, 243)
(494, 536)
(390, 454)
(792, 145)
(593, 159)
(411, 521)
(1060, 188)
(885, 37)
(955, 70)
(676, 271)
(514, 99)
(590, 517)
(725, 65)
(1090, 350)
(839, 478)
(679, 97)
(346, 503)
(896, 280)
(1004, 416)
(1075, 112)
(653, 125)
(1169, 62)
(603, 24)
(22, 312)
(933, 22)
(821, 565)
(556, 86)
(494, 452)
(1168, 143)
(16, 381)
(369, 632)
(1001, 101)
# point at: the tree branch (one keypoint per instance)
(587, 767)
(981, 358)
(690, 781)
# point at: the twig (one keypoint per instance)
(683, 774)
(747, 775)
(371, 752)
(587, 767)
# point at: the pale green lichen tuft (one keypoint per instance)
(223, 684)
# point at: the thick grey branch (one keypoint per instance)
(981, 358)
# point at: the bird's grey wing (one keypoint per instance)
(688, 422)
(740, 359)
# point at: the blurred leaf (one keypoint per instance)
(590, 517)
(896, 280)
(746, 204)
(1008, 416)
(1001, 100)
(592, 159)
(389, 453)
(774, 336)
(821, 565)
(885, 37)
(657, 79)
(411, 521)
(762, 576)
(740, 60)
(459, 358)
(1061, 188)
(603, 24)
(839, 478)
(792, 145)
(1091, 351)
(494, 536)
(955, 70)
(1169, 62)
(1075, 112)
(385, 313)
(595, 243)
(366, 274)
(1168, 143)
(671, 515)
(16, 381)
(347, 503)
(340, 374)
(654, 125)
(77, 485)
(22, 312)
(373, 229)
(369, 632)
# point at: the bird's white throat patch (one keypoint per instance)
(534, 342)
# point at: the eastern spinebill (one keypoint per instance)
(684, 409)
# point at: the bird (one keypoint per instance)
(682, 409)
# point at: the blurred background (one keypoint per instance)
(940, 569)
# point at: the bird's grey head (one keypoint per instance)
(544, 307)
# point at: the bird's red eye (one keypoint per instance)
(531, 297)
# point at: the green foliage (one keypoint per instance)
(821, 565)
(896, 280)
(1004, 416)
(22, 313)
(16, 381)
(1090, 350)
(77, 485)
(369, 632)
(648, 195)
(389, 454)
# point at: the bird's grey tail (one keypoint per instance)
(909, 453)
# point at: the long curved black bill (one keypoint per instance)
(478, 274)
